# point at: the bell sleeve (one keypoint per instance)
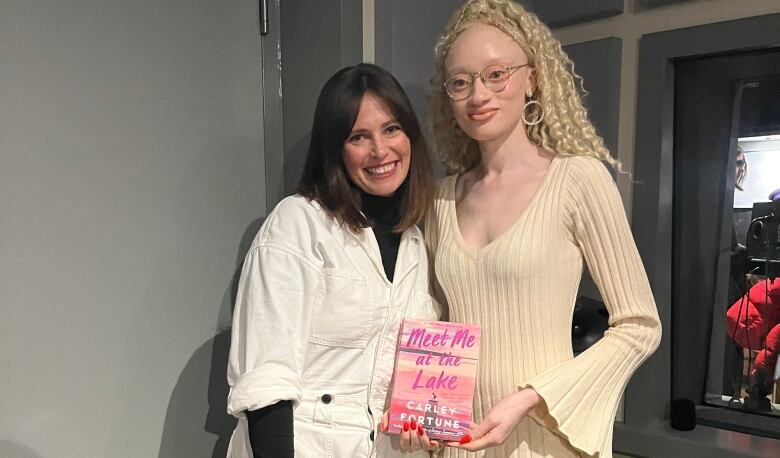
(580, 396)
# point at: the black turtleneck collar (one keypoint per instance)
(384, 214)
(380, 210)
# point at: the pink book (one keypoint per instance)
(434, 378)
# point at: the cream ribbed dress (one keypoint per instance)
(521, 289)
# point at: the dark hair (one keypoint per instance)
(325, 178)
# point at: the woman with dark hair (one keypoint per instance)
(328, 279)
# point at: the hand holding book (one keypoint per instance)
(412, 437)
(500, 421)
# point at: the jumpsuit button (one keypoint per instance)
(326, 398)
(371, 435)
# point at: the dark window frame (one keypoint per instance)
(645, 430)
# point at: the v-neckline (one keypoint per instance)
(453, 213)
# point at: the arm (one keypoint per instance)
(271, 430)
(580, 396)
(269, 335)
(270, 328)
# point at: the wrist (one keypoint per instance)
(529, 396)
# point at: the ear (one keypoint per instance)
(531, 80)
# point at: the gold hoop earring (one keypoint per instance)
(530, 103)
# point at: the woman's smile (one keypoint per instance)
(382, 170)
(483, 114)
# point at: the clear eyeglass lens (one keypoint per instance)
(494, 78)
(459, 84)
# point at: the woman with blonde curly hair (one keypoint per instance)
(510, 233)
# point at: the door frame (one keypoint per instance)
(273, 138)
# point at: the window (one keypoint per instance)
(750, 379)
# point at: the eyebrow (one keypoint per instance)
(455, 71)
(504, 62)
(388, 123)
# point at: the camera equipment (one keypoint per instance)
(763, 240)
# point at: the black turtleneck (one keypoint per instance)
(271, 427)
(383, 215)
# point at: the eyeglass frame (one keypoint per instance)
(473, 76)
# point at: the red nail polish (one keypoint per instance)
(465, 439)
(414, 424)
(420, 432)
(406, 426)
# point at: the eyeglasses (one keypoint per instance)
(494, 77)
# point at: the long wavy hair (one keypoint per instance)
(565, 129)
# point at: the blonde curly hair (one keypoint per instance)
(565, 128)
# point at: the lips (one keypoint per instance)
(382, 170)
(483, 114)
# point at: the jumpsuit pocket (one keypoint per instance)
(336, 427)
(343, 310)
(312, 440)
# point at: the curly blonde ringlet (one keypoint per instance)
(565, 128)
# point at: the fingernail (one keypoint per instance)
(406, 426)
(465, 439)
(420, 432)
(414, 424)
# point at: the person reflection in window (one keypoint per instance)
(741, 169)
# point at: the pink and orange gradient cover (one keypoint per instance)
(434, 379)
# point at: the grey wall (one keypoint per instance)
(406, 32)
(560, 13)
(131, 177)
(598, 63)
(317, 39)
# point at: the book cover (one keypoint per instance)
(434, 378)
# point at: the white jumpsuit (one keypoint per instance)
(316, 321)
